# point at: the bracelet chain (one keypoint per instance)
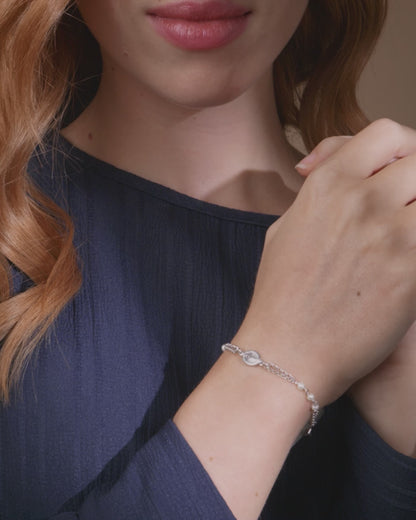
(252, 358)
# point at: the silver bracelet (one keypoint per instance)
(252, 359)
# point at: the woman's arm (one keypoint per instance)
(324, 315)
(385, 398)
(167, 480)
(317, 312)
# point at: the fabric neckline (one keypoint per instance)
(159, 191)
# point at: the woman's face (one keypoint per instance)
(195, 53)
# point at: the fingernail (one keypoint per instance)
(306, 162)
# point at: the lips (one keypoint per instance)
(192, 11)
(199, 26)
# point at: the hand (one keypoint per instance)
(386, 396)
(334, 294)
(336, 287)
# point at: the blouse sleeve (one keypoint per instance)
(380, 482)
(164, 480)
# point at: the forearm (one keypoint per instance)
(241, 422)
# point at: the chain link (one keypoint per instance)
(252, 358)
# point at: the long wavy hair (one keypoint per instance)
(47, 56)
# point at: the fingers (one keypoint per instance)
(372, 149)
(395, 185)
(321, 152)
(378, 145)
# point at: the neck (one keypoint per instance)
(234, 154)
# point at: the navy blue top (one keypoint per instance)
(166, 280)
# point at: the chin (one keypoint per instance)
(201, 94)
(198, 99)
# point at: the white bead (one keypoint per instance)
(315, 407)
(301, 386)
(310, 397)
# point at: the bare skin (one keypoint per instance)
(342, 235)
(307, 315)
(385, 398)
(212, 113)
(234, 155)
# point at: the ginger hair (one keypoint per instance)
(43, 62)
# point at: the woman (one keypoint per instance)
(131, 248)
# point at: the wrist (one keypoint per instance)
(252, 359)
(297, 360)
(241, 423)
(250, 399)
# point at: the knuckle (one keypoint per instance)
(331, 143)
(321, 149)
(390, 128)
(328, 141)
